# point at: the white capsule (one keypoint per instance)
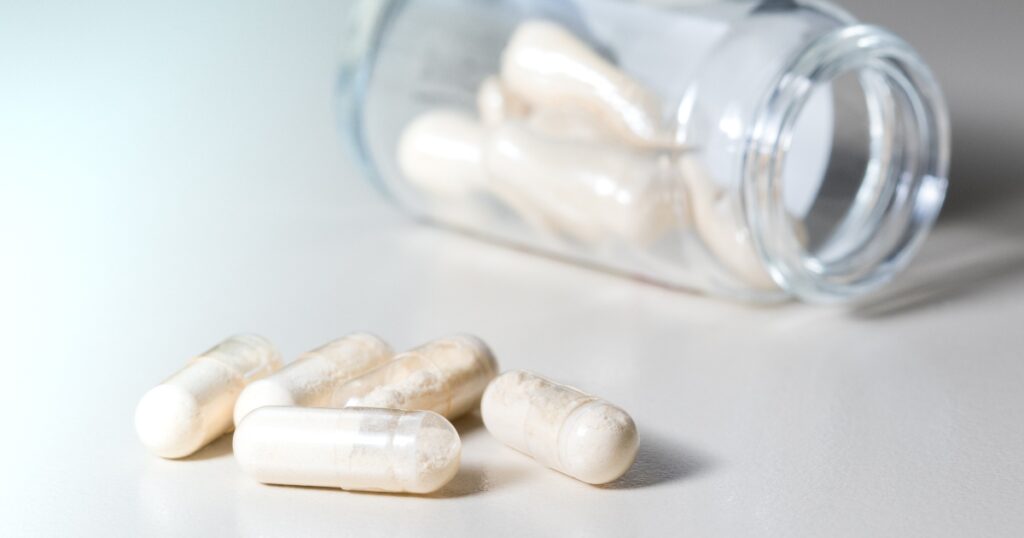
(550, 68)
(194, 406)
(496, 104)
(587, 190)
(718, 218)
(311, 379)
(446, 376)
(570, 123)
(439, 152)
(353, 448)
(590, 191)
(562, 427)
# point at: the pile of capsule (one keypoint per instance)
(354, 415)
(577, 149)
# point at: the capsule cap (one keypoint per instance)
(169, 422)
(598, 443)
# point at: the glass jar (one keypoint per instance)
(755, 150)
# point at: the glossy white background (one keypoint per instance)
(172, 174)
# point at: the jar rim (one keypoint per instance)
(880, 238)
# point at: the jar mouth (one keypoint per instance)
(903, 185)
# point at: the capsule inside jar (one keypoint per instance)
(363, 449)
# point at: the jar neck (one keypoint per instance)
(904, 180)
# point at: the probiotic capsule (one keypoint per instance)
(495, 104)
(720, 221)
(590, 190)
(311, 379)
(446, 376)
(439, 152)
(548, 67)
(352, 448)
(564, 428)
(569, 120)
(194, 406)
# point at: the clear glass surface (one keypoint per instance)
(755, 150)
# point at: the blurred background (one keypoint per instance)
(171, 173)
(134, 130)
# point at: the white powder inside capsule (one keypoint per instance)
(446, 376)
(435, 449)
(532, 414)
(405, 394)
(525, 412)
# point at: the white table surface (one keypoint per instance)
(172, 175)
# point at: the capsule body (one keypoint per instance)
(446, 376)
(571, 183)
(588, 190)
(562, 427)
(495, 104)
(716, 219)
(440, 153)
(548, 66)
(311, 379)
(353, 448)
(194, 406)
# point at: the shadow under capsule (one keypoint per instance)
(219, 447)
(660, 460)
